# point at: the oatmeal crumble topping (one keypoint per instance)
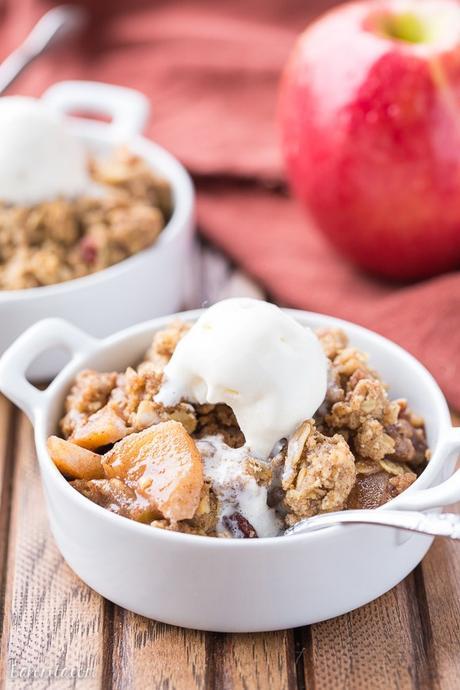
(88, 395)
(59, 240)
(361, 450)
(319, 473)
(164, 343)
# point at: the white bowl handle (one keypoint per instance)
(444, 494)
(127, 108)
(35, 341)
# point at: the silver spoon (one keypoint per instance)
(55, 25)
(439, 525)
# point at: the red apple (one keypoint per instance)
(370, 120)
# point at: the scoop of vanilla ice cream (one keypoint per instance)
(258, 360)
(40, 160)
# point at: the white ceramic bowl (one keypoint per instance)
(145, 285)
(222, 584)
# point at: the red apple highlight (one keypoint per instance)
(370, 120)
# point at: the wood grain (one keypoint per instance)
(147, 654)
(151, 654)
(51, 618)
(439, 592)
(439, 589)
(265, 660)
(379, 646)
(7, 434)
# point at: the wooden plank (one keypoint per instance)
(248, 662)
(380, 645)
(150, 654)
(439, 597)
(147, 654)
(53, 622)
(7, 420)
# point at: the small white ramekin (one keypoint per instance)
(148, 284)
(223, 584)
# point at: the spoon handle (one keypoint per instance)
(439, 525)
(54, 26)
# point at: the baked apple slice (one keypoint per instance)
(103, 428)
(74, 462)
(162, 464)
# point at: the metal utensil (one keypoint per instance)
(57, 24)
(443, 525)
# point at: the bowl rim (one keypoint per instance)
(64, 378)
(184, 198)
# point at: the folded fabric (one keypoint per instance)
(211, 71)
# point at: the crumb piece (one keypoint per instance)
(401, 482)
(134, 397)
(261, 471)
(89, 394)
(333, 341)
(320, 478)
(367, 467)
(164, 343)
(349, 360)
(214, 420)
(396, 469)
(116, 496)
(205, 519)
(133, 387)
(367, 399)
(372, 442)
(410, 442)
(150, 412)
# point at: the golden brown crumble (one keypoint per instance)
(89, 394)
(219, 419)
(115, 495)
(164, 343)
(62, 239)
(371, 441)
(361, 450)
(319, 473)
(333, 340)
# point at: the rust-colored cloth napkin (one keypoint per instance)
(211, 72)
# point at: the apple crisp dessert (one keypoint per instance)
(186, 468)
(59, 240)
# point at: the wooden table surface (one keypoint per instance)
(59, 633)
